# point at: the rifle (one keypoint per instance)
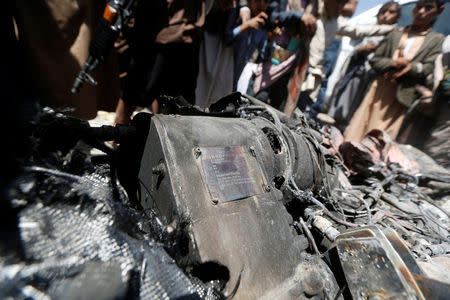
(115, 16)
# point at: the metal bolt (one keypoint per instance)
(252, 151)
(158, 170)
(170, 229)
(267, 188)
(197, 152)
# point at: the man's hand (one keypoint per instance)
(399, 63)
(424, 91)
(366, 49)
(272, 35)
(309, 24)
(402, 71)
(426, 105)
(402, 65)
(255, 23)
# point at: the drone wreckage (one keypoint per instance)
(237, 201)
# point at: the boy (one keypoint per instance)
(329, 24)
(248, 37)
(252, 34)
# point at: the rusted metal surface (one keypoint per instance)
(360, 257)
(396, 270)
(380, 247)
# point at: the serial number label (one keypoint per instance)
(230, 173)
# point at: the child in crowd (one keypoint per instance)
(357, 73)
(427, 121)
(402, 60)
(249, 38)
(330, 24)
(286, 21)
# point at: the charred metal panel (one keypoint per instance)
(368, 251)
(360, 257)
(216, 175)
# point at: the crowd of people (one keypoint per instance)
(279, 51)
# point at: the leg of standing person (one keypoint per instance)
(174, 72)
(139, 73)
(189, 65)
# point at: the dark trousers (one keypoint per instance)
(170, 70)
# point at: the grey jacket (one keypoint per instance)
(422, 63)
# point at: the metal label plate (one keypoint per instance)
(230, 173)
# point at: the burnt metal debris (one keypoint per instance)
(236, 201)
